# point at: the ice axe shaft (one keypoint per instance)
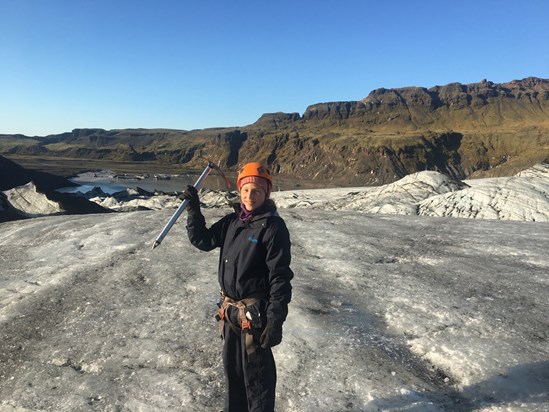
(183, 205)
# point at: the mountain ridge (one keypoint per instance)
(464, 130)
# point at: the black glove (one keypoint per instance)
(191, 195)
(272, 335)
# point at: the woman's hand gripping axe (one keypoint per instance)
(198, 184)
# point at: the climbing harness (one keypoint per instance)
(244, 318)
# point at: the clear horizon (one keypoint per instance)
(179, 65)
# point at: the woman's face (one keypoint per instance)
(252, 196)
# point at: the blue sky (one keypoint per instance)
(112, 64)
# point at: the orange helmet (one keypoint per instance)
(254, 169)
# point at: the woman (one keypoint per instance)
(254, 275)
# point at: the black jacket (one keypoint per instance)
(255, 256)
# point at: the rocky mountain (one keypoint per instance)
(463, 130)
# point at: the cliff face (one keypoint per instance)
(468, 130)
(462, 130)
(454, 106)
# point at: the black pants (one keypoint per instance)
(250, 385)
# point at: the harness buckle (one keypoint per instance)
(220, 314)
(246, 324)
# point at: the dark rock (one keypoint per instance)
(13, 175)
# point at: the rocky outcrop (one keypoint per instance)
(463, 130)
(279, 119)
(475, 130)
(454, 106)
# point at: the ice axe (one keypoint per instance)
(181, 208)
